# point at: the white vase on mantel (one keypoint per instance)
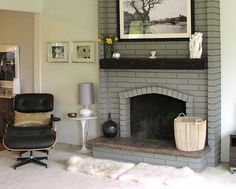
(195, 45)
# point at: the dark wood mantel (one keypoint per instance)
(158, 63)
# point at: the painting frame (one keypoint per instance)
(58, 52)
(83, 51)
(9, 60)
(171, 28)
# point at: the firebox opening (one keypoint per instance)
(152, 116)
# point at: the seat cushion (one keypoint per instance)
(29, 138)
(31, 119)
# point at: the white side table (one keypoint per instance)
(84, 124)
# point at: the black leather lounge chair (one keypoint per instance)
(32, 127)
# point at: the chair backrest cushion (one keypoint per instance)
(33, 102)
(31, 119)
(32, 109)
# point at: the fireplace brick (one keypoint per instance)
(154, 161)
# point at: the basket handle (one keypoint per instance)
(181, 114)
(198, 121)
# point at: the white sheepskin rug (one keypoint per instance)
(142, 173)
(98, 167)
(156, 174)
(174, 178)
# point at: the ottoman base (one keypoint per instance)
(30, 159)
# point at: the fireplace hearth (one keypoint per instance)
(159, 152)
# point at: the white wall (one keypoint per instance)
(21, 5)
(20, 31)
(228, 65)
(63, 20)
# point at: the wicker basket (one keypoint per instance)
(190, 133)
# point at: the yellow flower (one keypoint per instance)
(99, 39)
(108, 40)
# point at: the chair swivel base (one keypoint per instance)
(45, 151)
(30, 159)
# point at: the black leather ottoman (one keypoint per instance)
(29, 139)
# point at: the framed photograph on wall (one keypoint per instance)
(83, 51)
(9, 62)
(156, 19)
(57, 52)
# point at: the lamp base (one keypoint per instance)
(86, 112)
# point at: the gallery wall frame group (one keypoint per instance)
(74, 51)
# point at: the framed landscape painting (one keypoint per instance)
(155, 19)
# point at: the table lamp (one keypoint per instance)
(86, 97)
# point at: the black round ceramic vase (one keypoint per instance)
(110, 128)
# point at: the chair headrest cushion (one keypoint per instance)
(33, 102)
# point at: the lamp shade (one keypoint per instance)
(86, 94)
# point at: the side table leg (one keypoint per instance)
(84, 149)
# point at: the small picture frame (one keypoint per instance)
(58, 52)
(83, 51)
(9, 62)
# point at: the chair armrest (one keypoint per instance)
(56, 119)
(10, 123)
(52, 120)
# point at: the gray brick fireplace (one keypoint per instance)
(199, 88)
(118, 86)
